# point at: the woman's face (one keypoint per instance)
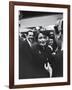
(42, 39)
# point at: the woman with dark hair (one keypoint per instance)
(42, 61)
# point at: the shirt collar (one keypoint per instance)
(29, 42)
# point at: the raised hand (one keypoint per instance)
(48, 67)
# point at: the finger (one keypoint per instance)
(46, 67)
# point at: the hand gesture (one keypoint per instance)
(48, 67)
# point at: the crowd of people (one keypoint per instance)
(41, 54)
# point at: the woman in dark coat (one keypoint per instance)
(42, 60)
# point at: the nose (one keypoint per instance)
(31, 36)
(43, 39)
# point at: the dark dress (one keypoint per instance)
(42, 56)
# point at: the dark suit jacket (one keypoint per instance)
(25, 61)
(58, 64)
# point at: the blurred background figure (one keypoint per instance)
(30, 37)
(26, 57)
(59, 33)
(58, 62)
(22, 38)
(52, 44)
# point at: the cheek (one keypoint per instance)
(45, 40)
(39, 40)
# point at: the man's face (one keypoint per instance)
(42, 39)
(50, 41)
(30, 36)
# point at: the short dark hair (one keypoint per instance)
(43, 32)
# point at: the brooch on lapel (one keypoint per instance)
(39, 52)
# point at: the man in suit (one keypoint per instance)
(26, 57)
(58, 62)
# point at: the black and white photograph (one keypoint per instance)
(41, 45)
